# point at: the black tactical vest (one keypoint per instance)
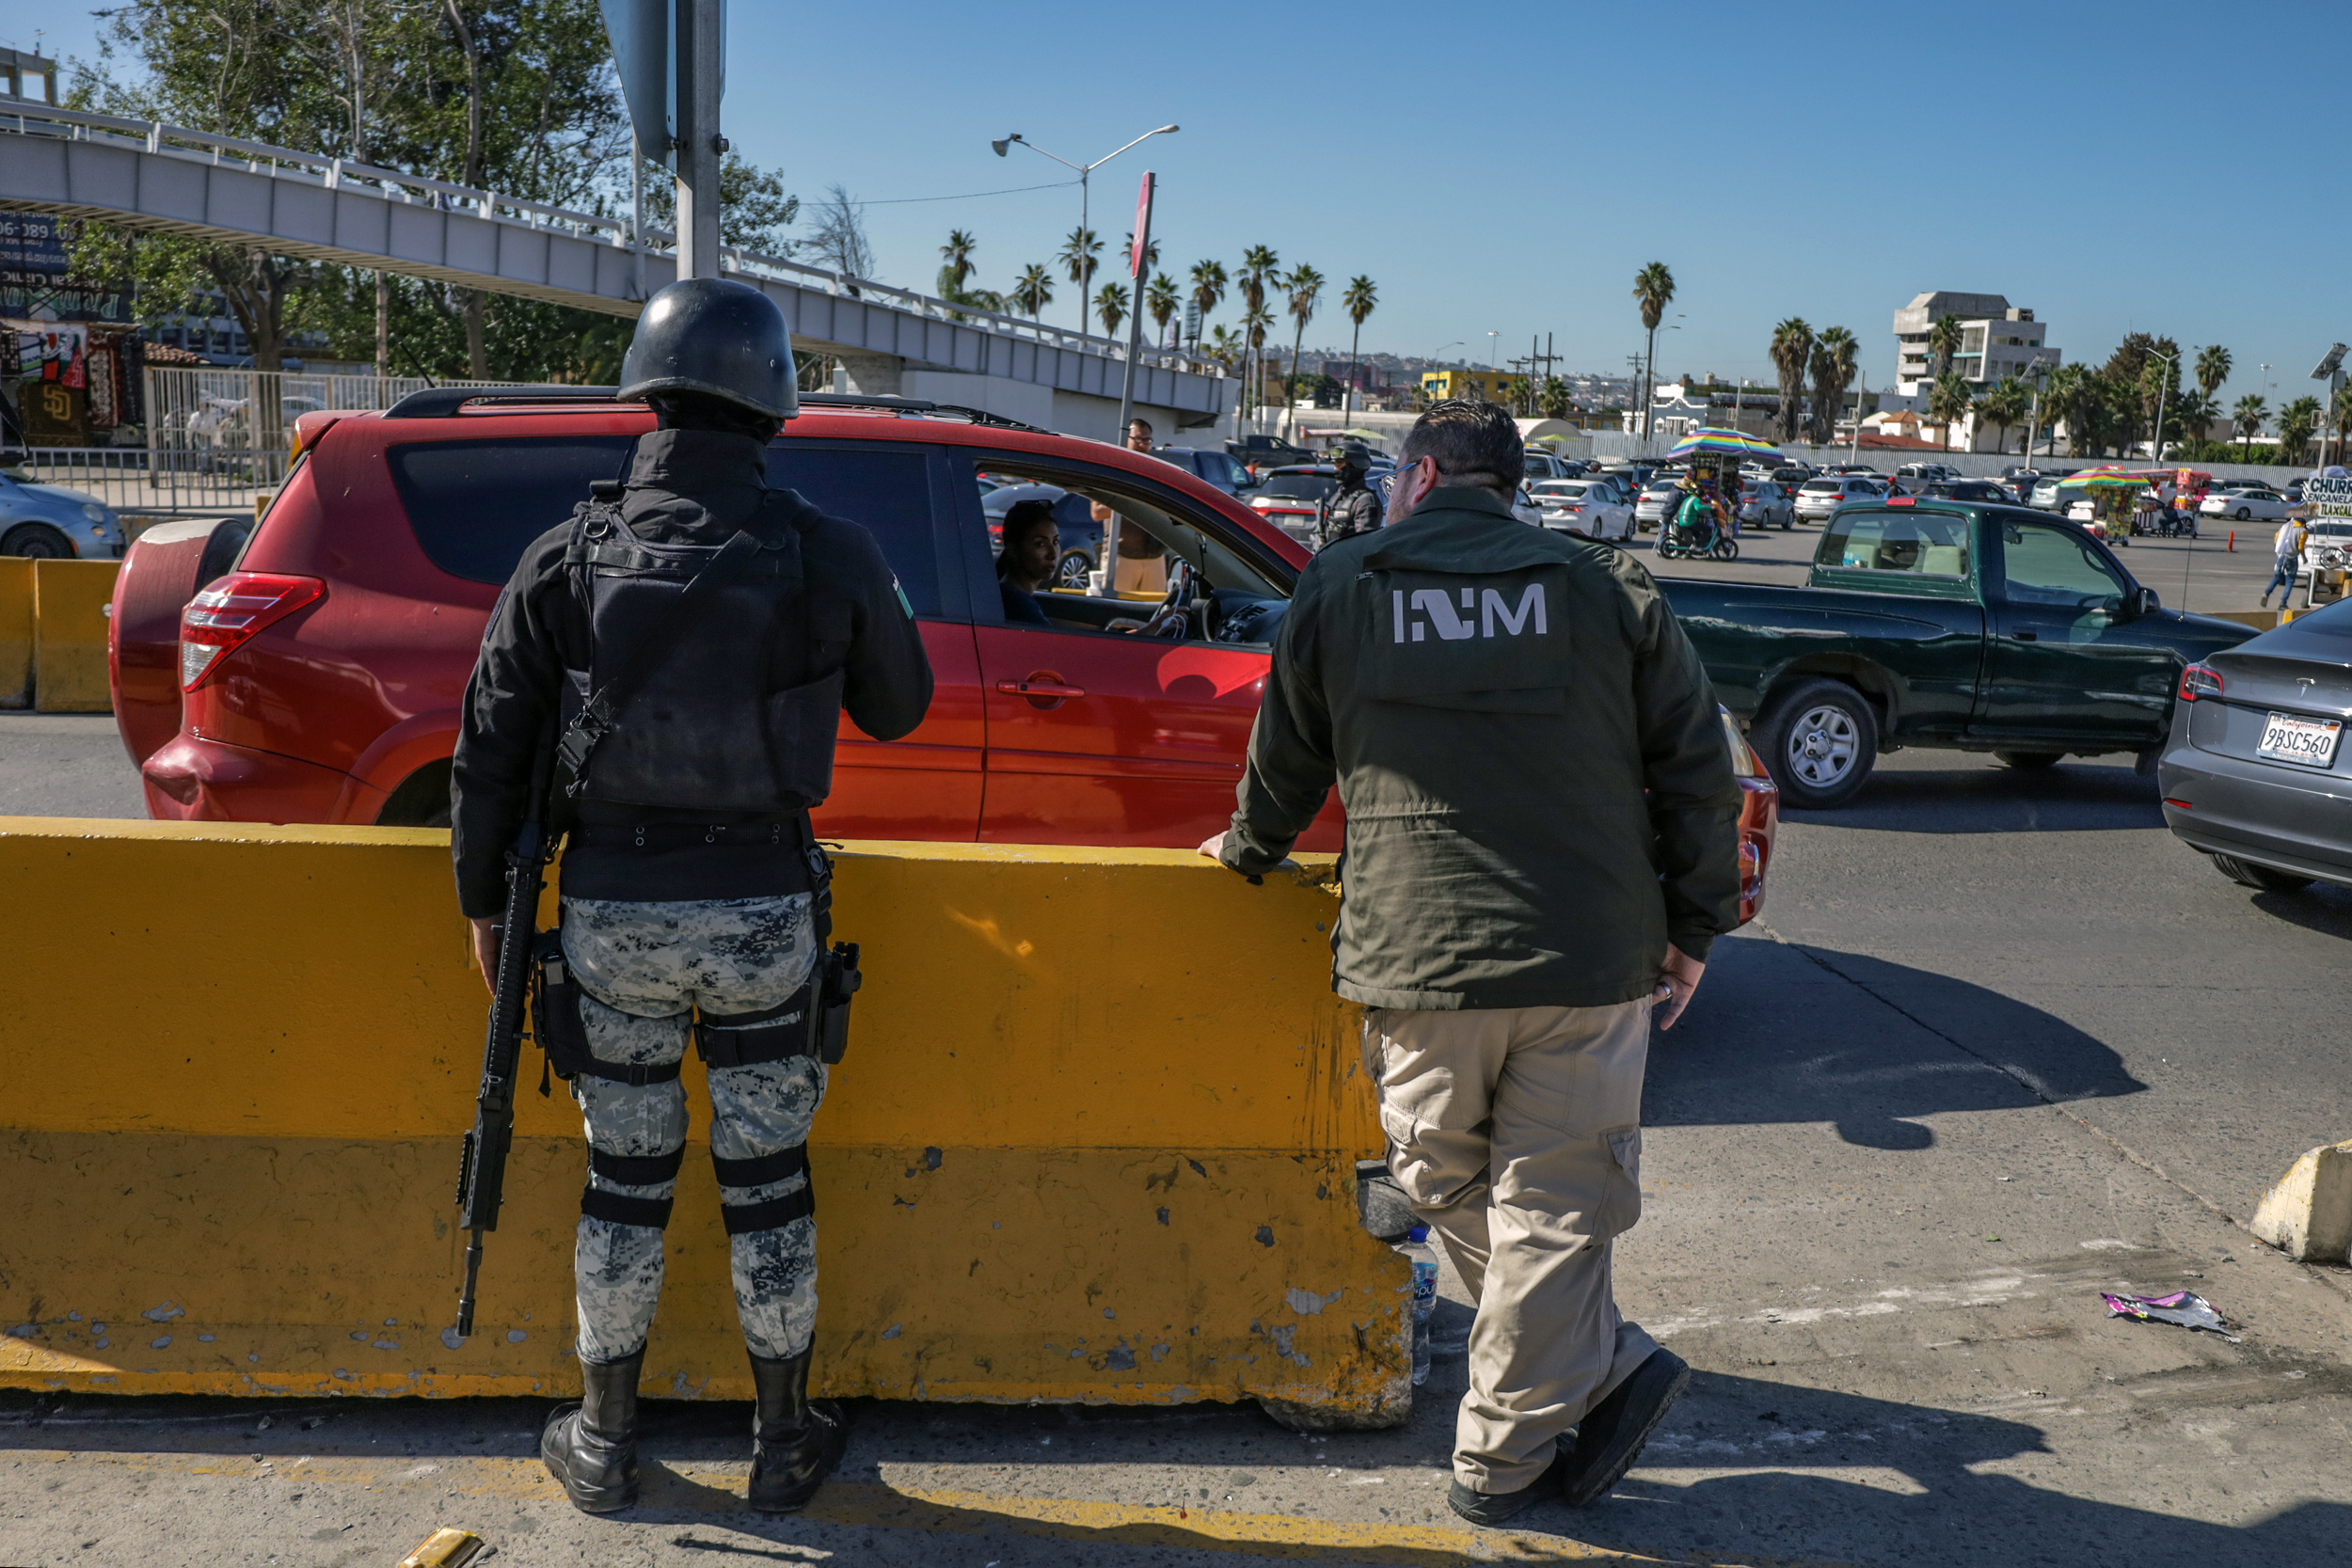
(711, 728)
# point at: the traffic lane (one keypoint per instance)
(66, 765)
(1962, 892)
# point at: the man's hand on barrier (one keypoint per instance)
(485, 951)
(1677, 979)
(1215, 849)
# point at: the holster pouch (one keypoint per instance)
(837, 981)
(555, 1008)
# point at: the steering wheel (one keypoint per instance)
(1172, 619)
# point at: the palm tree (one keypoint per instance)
(1358, 300)
(1305, 287)
(1035, 291)
(1151, 250)
(2004, 404)
(1224, 346)
(1254, 321)
(958, 253)
(2296, 421)
(2196, 412)
(1836, 355)
(1111, 304)
(1257, 264)
(2248, 415)
(1947, 402)
(2213, 369)
(1080, 256)
(1943, 343)
(1653, 290)
(1553, 401)
(2341, 411)
(1792, 346)
(1208, 292)
(2065, 401)
(1161, 298)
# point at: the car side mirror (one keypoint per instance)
(2139, 602)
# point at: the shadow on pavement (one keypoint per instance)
(2073, 797)
(1779, 1035)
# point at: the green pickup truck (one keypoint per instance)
(1943, 623)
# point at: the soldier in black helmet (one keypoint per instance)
(692, 636)
(1353, 506)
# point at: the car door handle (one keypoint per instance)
(2026, 636)
(1035, 688)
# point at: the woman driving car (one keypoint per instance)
(1032, 544)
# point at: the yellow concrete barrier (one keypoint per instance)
(1093, 1140)
(16, 631)
(69, 603)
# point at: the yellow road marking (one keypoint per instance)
(700, 1489)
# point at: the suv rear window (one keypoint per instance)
(1921, 544)
(475, 506)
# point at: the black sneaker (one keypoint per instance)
(1610, 1438)
(1497, 1508)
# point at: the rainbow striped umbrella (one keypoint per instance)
(1734, 443)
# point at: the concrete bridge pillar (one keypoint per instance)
(874, 374)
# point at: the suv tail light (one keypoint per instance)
(2200, 680)
(225, 616)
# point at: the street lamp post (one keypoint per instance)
(2172, 363)
(1002, 147)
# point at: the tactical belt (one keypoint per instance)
(742, 1219)
(746, 1040)
(660, 836)
(653, 1214)
(631, 1170)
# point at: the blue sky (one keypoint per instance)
(1509, 168)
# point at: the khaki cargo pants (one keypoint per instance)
(1516, 1131)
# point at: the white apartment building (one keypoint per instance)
(1997, 340)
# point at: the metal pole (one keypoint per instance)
(1086, 273)
(637, 214)
(1141, 273)
(700, 59)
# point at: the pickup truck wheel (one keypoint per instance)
(2248, 874)
(2030, 760)
(1819, 743)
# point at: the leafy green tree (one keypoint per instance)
(957, 261)
(1304, 288)
(1948, 403)
(1553, 401)
(1081, 252)
(2339, 413)
(2003, 405)
(1360, 299)
(1258, 264)
(1254, 323)
(2198, 413)
(1653, 290)
(2248, 415)
(1208, 292)
(1943, 343)
(1035, 291)
(1835, 358)
(1163, 300)
(2213, 369)
(1110, 304)
(2296, 422)
(1792, 351)
(1225, 346)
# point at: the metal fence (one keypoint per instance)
(1617, 447)
(133, 480)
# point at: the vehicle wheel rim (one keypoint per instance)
(1822, 746)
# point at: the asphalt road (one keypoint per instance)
(1997, 1044)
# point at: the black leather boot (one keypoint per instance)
(796, 1441)
(591, 1447)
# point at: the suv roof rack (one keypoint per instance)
(441, 402)
(915, 405)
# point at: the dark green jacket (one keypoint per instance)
(1537, 783)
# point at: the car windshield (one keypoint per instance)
(1304, 487)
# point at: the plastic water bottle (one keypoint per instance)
(1416, 1247)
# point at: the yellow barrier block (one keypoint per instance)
(69, 603)
(1095, 1139)
(16, 631)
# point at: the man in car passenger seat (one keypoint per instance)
(1532, 764)
(695, 899)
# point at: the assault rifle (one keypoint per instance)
(482, 1164)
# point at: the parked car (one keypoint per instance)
(333, 647)
(1266, 451)
(1766, 504)
(2324, 537)
(1540, 464)
(50, 522)
(1818, 498)
(2044, 496)
(1586, 506)
(1658, 501)
(1944, 624)
(1211, 465)
(1290, 496)
(1915, 476)
(1971, 490)
(1789, 475)
(2254, 774)
(2244, 503)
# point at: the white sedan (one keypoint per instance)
(2324, 536)
(1583, 506)
(2245, 505)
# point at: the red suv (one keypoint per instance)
(312, 672)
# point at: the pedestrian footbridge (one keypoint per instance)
(167, 178)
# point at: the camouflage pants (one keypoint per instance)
(641, 969)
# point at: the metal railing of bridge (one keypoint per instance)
(24, 117)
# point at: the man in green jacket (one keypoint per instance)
(1542, 843)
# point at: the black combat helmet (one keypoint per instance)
(711, 336)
